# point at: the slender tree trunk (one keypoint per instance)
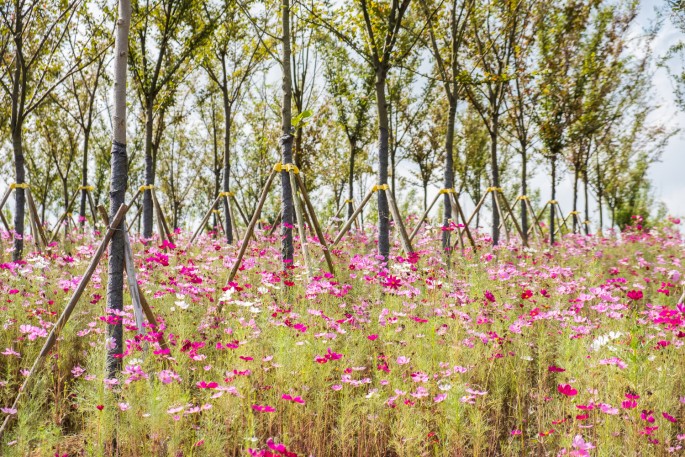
(286, 142)
(217, 168)
(65, 195)
(149, 168)
(587, 201)
(599, 198)
(524, 191)
(228, 121)
(383, 129)
(350, 183)
(117, 193)
(554, 195)
(84, 178)
(576, 173)
(17, 122)
(449, 172)
(494, 132)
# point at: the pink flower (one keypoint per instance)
(264, 408)
(581, 446)
(439, 398)
(516, 432)
(555, 369)
(566, 389)
(629, 404)
(402, 360)
(635, 294)
(373, 337)
(669, 418)
(207, 385)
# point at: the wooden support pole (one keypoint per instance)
(317, 226)
(398, 222)
(160, 215)
(332, 221)
(130, 267)
(204, 221)
(55, 229)
(276, 224)
(251, 226)
(66, 313)
(466, 229)
(240, 210)
(34, 213)
(507, 208)
(5, 196)
(423, 217)
(349, 222)
(300, 225)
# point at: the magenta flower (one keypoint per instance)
(635, 294)
(669, 418)
(567, 390)
(264, 408)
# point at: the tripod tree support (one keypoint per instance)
(222, 195)
(67, 213)
(34, 220)
(406, 242)
(293, 171)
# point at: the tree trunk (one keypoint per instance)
(117, 194)
(576, 172)
(350, 183)
(587, 201)
(554, 195)
(383, 124)
(228, 223)
(286, 142)
(19, 194)
(524, 191)
(217, 168)
(84, 178)
(494, 163)
(449, 172)
(149, 168)
(17, 122)
(599, 198)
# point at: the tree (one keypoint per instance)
(352, 98)
(29, 72)
(385, 40)
(495, 27)
(165, 39)
(234, 54)
(117, 190)
(451, 32)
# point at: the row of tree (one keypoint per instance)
(480, 92)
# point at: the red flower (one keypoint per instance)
(566, 389)
(264, 408)
(635, 294)
(669, 418)
(555, 369)
(100, 407)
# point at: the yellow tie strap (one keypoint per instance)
(88, 188)
(215, 211)
(522, 197)
(288, 167)
(67, 214)
(447, 191)
(586, 222)
(148, 187)
(22, 185)
(574, 213)
(226, 194)
(349, 200)
(552, 202)
(378, 187)
(493, 189)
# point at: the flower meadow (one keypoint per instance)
(575, 350)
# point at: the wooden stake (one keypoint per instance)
(463, 218)
(516, 224)
(317, 226)
(251, 226)
(204, 222)
(300, 224)
(160, 215)
(423, 217)
(34, 212)
(349, 222)
(398, 222)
